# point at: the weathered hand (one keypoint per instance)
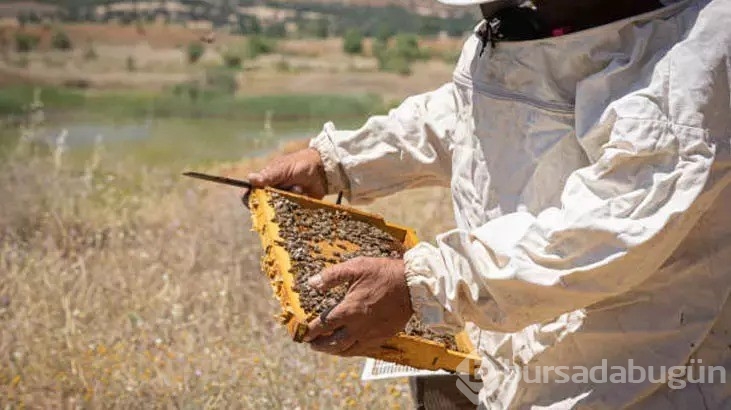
(301, 172)
(376, 307)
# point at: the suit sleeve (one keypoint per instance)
(619, 220)
(407, 148)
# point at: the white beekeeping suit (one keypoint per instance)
(590, 176)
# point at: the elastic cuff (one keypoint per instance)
(324, 145)
(421, 282)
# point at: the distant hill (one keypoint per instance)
(278, 17)
(423, 7)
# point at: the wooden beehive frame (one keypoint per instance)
(407, 350)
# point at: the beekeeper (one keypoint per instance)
(589, 168)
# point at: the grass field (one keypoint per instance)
(130, 103)
(128, 287)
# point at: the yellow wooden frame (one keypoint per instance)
(412, 351)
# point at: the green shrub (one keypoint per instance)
(260, 45)
(283, 66)
(394, 63)
(25, 42)
(221, 80)
(190, 89)
(398, 56)
(195, 52)
(140, 26)
(353, 42)
(90, 53)
(232, 60)
(248, 25)
(276, 30)
(378, 48)
(319, 28)
(61, 41)
(131, 64)
(384, 33)
(407, 46)
(430, 26)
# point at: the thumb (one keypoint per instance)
(269, 176)
(335, 275)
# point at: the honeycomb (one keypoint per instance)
(301, 236)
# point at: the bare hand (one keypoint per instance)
(376, 307)
(301, 172)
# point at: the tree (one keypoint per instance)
(353, 42)
(195, 52)
(430, 26)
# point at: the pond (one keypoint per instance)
(168, 142)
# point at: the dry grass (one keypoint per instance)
(391, 87)
(131, 288)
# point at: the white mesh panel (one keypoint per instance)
(380, 370)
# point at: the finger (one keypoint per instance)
(368, 346)
(336, 275)
(259, 179)
(341, 349)
(339, 341)
(336, 319)
(358, 349)
(297, 189)
(271, 175)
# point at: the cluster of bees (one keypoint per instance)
(319, 237)
(316, 238)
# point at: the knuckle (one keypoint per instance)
(355, 310)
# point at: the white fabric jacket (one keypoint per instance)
(589, 175)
